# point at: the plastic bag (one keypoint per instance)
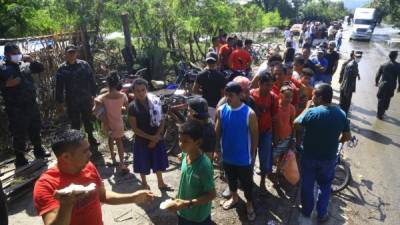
(289, 168)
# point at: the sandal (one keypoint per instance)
(229, 204)
(165, 188)
(124, 169)
(251, 215)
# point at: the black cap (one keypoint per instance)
(200, 106)
(71, 48)
(358, 53)
(212, 57)
(233, 87)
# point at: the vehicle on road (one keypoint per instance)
(364, 23)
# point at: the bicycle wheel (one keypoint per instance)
(171, 137)
(342, 176)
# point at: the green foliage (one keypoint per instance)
(323, 10)
(274, 19)
(390, 9)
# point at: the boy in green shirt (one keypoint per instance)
(196, 188)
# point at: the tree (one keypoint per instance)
(323, 10)
(389, 9)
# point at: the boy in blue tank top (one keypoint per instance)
(237, 131)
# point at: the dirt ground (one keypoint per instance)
(277, 206)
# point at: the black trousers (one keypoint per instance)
(345, 101)
(24, 121)
(242, 173)
(3, 207)
(79, 113)
(383, 105)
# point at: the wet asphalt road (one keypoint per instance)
(374, 195)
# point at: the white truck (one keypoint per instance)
(364, 22)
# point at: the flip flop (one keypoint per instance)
(231, 205)
(165, 188)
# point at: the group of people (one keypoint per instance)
(311, 30)
(284, 107)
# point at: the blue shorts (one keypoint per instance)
(265, 152)
(145, 159)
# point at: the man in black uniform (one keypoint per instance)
(385, 79)
(348, 78)
(75, 80)
(19, 94)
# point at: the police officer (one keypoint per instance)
(385, 79)
(76, 86)
(19, 94)
(348, 78)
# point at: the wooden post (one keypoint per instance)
(128, 42)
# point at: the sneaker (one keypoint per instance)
(93, 141)
(379, 117)
(324, 218)
(227, 193)
(41, 153)
(21, 162)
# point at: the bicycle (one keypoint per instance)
(342, 172)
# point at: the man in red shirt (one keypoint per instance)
(224, 53)
(73, 167)
(268, 105)
(240, 59)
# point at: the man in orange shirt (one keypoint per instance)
(224, 53)
(240, 59)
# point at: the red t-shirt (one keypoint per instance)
(86, 211)
(296, 93)
(224, 53)
(268, 106)
(240, 59)
(284, 123)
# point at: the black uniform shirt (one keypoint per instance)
(76, 82)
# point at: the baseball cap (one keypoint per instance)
(200, 106)
(358, 53)
(233, 87)
(211, 57)
(244, 82)
(71, 48)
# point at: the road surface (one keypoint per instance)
(373, 197)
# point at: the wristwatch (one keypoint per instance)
(190, 204)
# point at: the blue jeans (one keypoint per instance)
(322, 172)
(265, 152)
(183, 221)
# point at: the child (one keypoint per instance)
(267, 104)
(114, 103)
(99, 111)
(283, 134)
(198, 111)
(196, 188)
(306, 88)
